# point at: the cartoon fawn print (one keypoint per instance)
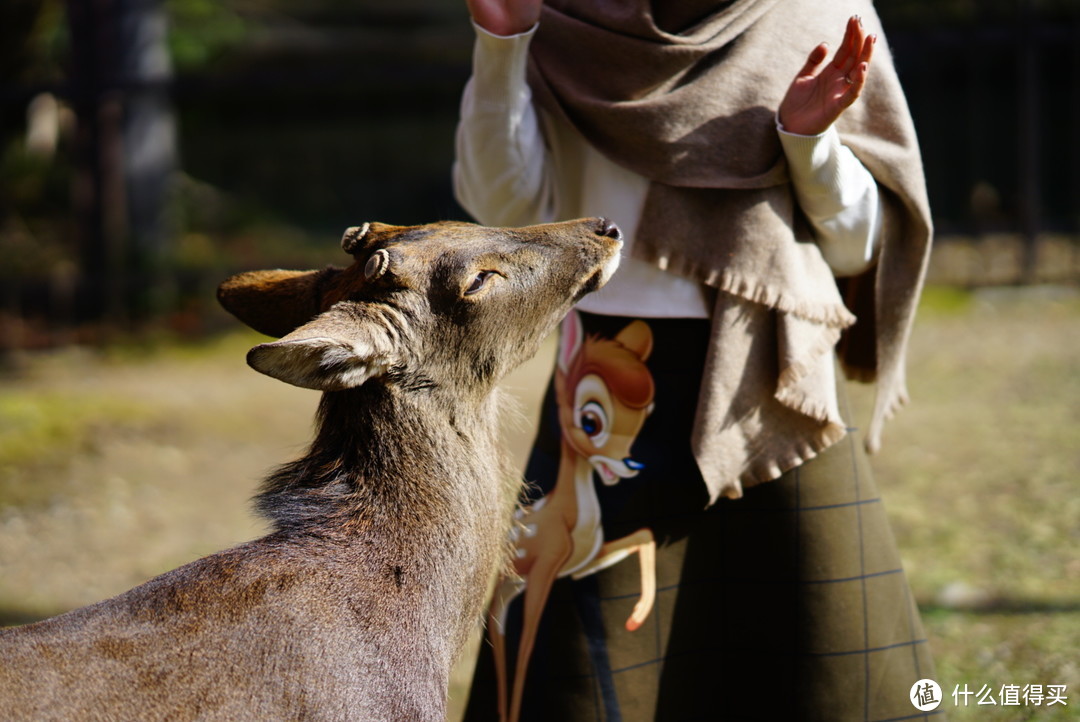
(604, 393)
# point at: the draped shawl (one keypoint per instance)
(685, 94)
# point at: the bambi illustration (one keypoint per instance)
(604, 393)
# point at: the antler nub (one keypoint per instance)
(351, 240)
(377, 264)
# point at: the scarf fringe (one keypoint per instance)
(787, 391)
(833, 315)
(831, 428)
(776, 465)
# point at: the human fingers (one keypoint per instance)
(868, 49)
(814, 61)
(856, 79)
(505, 17)
(847, 55)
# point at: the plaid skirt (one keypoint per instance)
(787, 604)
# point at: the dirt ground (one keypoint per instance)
(117, 466)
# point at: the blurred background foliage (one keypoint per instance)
(149, 146)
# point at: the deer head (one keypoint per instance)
(605, 392)
(417, 299)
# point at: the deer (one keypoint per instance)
(384, 535)
(604, 393)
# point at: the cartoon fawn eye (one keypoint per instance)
(592, 419)
(478, 282)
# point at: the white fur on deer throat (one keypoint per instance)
(611, 266)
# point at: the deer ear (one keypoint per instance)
(275, 302)
(570, 338)
(336, 350)
(637, 338)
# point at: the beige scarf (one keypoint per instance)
(685, 94)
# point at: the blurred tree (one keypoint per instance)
(297, 118)
(201, 31)
(125, 152)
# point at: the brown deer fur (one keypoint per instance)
(386, 532)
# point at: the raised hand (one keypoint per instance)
(818, 96)
(505, 17)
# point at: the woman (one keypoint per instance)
(705, 540)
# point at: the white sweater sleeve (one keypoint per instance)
(501, 173)
(838, 196)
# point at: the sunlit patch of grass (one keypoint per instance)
(151, 348)
(979, 477)
(48, 427)
(988, 451)
(1022, 645)
(45, 422)
(939, 300)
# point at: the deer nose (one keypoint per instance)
(609, 229)
(630, 463)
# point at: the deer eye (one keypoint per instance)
(478, 282)
(592, 419)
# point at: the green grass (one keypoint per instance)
(48, 428)
(980, 476)
(64, 405)
(42, 424)
(944, 300)
(1019, 646)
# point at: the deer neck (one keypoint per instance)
(400, 494)
(380, 451)
(574, 496)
